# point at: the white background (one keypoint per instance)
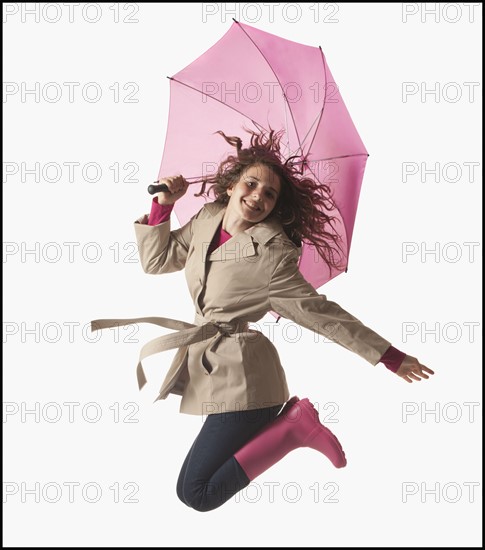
(371, 52)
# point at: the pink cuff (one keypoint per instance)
(393, 358)
(160, 212)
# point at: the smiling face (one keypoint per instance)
(255, 195)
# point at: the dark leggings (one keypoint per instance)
(210, 474)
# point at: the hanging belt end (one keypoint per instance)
(140, 375)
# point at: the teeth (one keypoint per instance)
(253, 207)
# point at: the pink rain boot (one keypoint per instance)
(297, 425)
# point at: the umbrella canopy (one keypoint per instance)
(254, 78)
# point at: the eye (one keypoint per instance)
(269, 194)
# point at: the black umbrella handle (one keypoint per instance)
(152, 189)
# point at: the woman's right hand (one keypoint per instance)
(177, 187)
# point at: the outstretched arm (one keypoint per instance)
(293, 297)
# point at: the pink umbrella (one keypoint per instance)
(251, 77)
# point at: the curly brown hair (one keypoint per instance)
(303, 205)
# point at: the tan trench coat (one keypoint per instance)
(222, 365)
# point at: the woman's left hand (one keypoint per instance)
(411, 369)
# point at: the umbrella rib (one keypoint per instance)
(276, 76)
(215, 99)
(319, 117)
(324, 99)
(338, 157)
(306, 135)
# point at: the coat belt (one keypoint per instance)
(187, 333)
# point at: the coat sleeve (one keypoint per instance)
(293, 297)
(162, 250)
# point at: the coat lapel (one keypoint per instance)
(238, 246)
(261, 232)
(206, 229)
(241, 245)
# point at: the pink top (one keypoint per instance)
(160, 213)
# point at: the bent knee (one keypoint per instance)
(205, 496)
